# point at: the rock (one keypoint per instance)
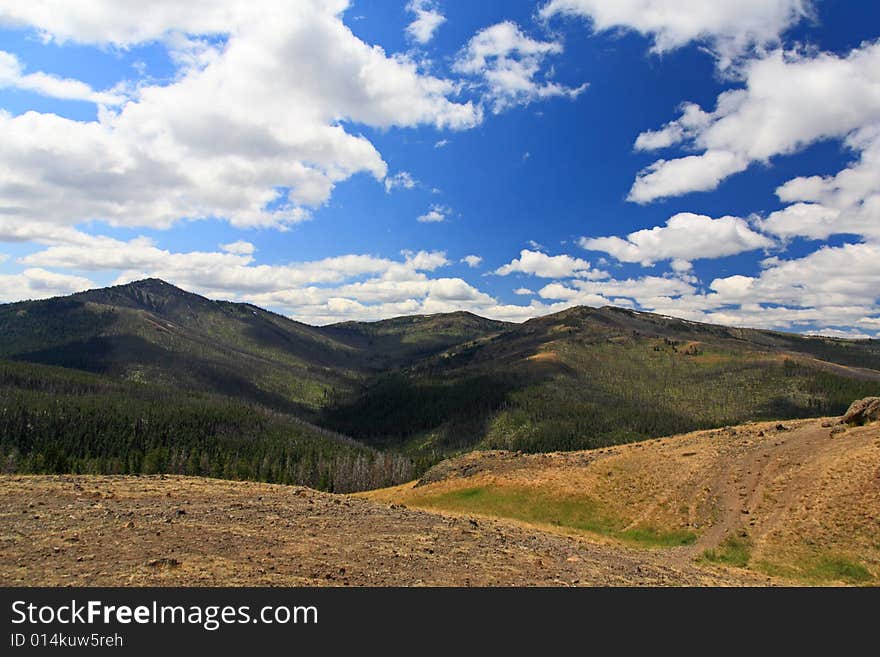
(839, 429)
(862, 412)
(164, 562)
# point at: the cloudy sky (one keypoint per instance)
(332, 160)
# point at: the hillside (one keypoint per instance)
(155, 333)
(184, 531)
(54, 420)
(589, 377)
(150, 331)
(396, 342)
(436, 385)
(796, 500)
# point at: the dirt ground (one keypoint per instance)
(180, 531)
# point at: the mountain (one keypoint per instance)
(589, 377)
(395, 342)
(153, 332)
(430, 385)
(56, 420)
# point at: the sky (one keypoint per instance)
(335, 160)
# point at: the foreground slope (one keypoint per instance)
(796, 499)
(760, 504)
(179, 531)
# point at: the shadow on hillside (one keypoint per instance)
(116, 355)
(396, 408)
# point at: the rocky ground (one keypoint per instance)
(179, 531)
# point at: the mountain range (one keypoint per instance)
(419, 387)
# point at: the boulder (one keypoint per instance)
(862, 411)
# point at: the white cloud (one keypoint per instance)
(239, 247)
(831, 276)
(401, 179)
(728, 27)
(435, 214)
(441, 143)
(686, 126)
(523, 291)
(645, 290)
(12, 75)
(509, 63)
(428, 20)
(846, 203)
(123, 24)
(693, 173)
(472, 260)
(542, 265)
(790, 101)
(17, 230)
(685, 237)
(249, 130)
(34, 283)
(849, 334)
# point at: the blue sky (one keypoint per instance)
(333, 160)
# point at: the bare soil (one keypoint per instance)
(180, 531)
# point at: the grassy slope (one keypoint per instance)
(797, 503)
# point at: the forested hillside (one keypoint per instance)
(150, 378)
(56, 421)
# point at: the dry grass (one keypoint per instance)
(792, 501)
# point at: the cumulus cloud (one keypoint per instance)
(472, 260)
(354, 286)
(12, 75)
(249, 130)
(35, 283)
(239, 247)
(729, 27)
(845, 203)
(790, 101)
(684, 237)
(435, 214)
(542, 265)
(509, 64)
(428, 19)
(523, 291)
